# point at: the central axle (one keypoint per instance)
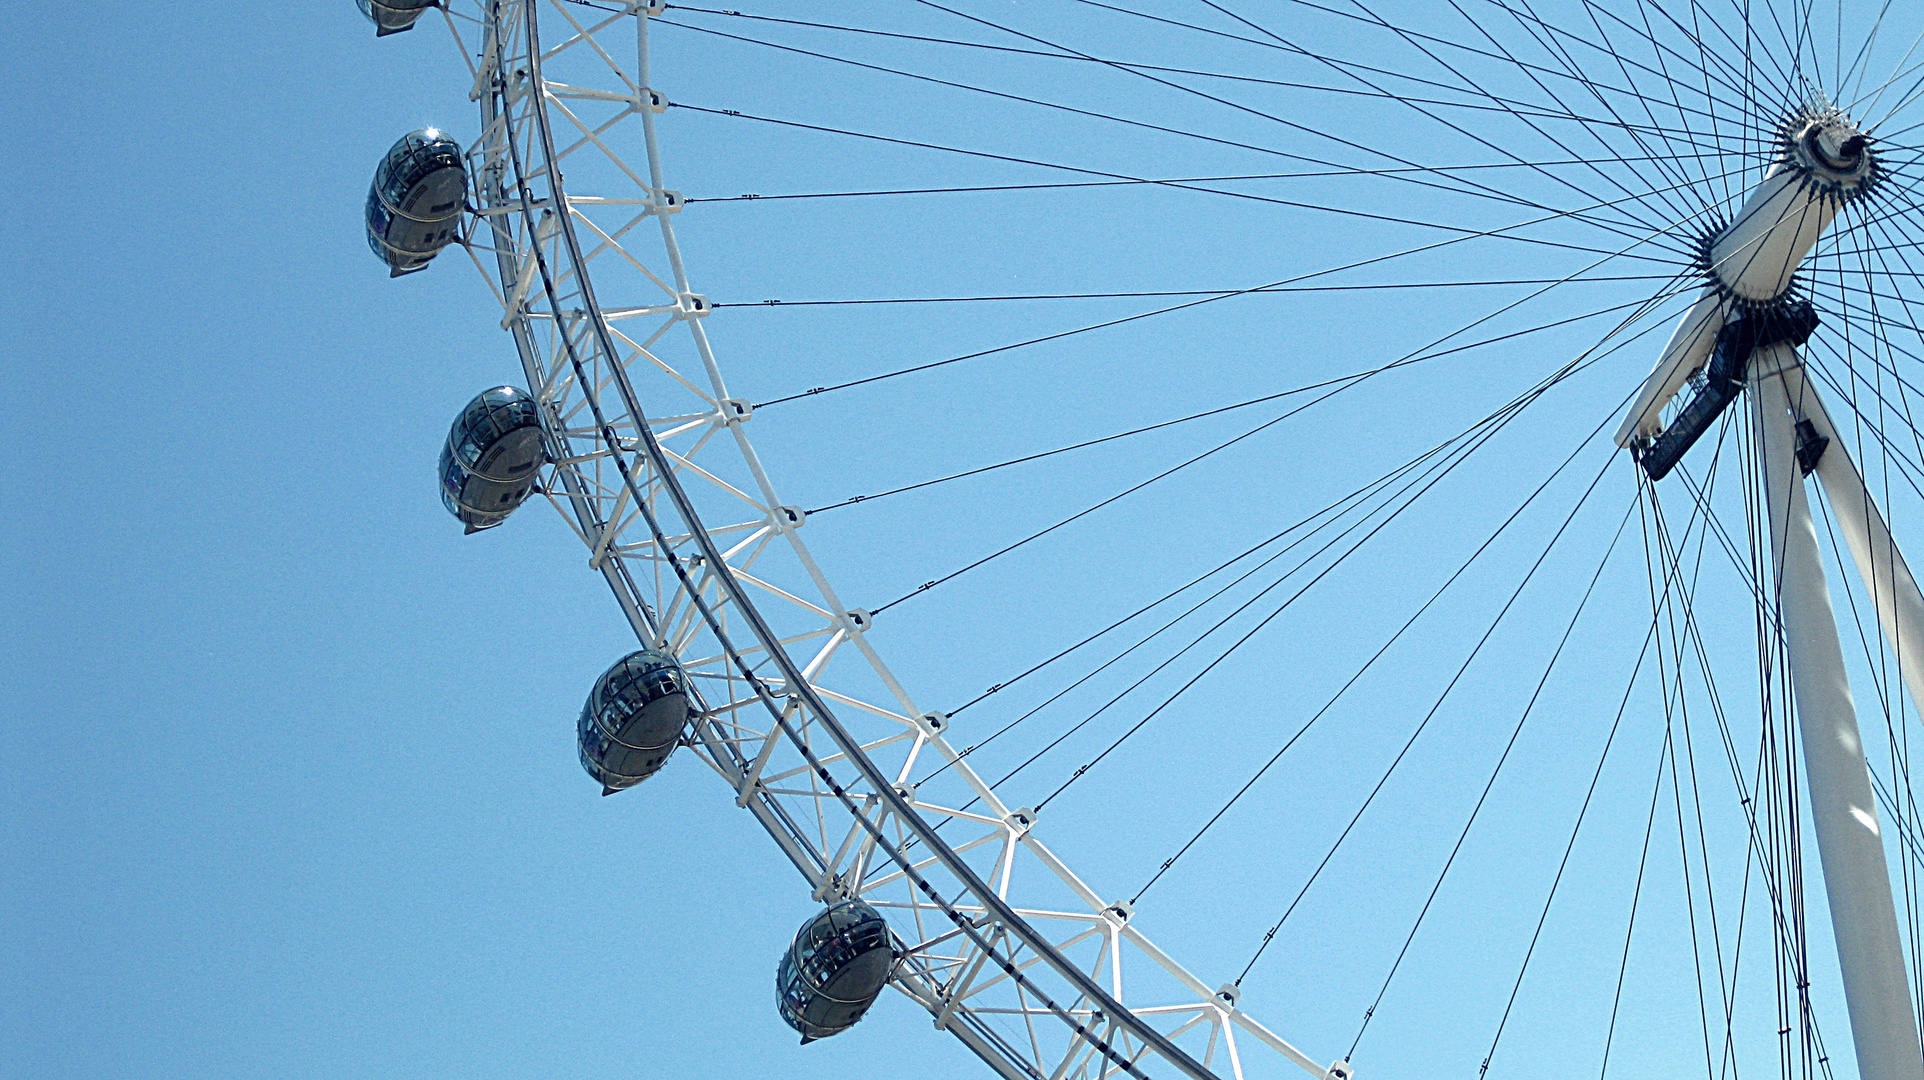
(1749, 302)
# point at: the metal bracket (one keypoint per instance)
(1810, 446)
(1723, 379)
(1020, 822)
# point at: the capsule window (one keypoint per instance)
(834, 969)
(502, 422)
(421, 165)
(633, 718)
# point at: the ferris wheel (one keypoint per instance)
(1756, 183)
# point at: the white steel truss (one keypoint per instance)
(1006, 946)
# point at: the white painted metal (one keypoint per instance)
(1779, 223)
(1753, 261)
(1684, 356)
(1755, 257)
(1887, 577)
(1843, 811)
(1006, 943)
(1010, 950)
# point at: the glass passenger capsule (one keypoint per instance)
(834, 970)
(393, 16)
(489, 462)
(414, 205)
(633, 718)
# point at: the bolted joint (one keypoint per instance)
(1340, 1070)
(692, 305)
(650, 7)
(932, 723)
(1119, 913)
(736, 410)
(654, 101)
(832, 890)
(790, 518)
(665, 201)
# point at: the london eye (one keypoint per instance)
(1666, 255)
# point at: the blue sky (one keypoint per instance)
(290, 786)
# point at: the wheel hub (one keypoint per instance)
(1827, 147)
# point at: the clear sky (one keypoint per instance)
(289, 785)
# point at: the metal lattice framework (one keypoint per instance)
(653, 469)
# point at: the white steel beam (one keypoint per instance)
(1843, 812)
(1887, 577)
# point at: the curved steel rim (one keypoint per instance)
(1001, 914)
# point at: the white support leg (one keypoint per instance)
(1843, 813)
(1887, 577)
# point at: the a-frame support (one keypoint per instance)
(1843, 810)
